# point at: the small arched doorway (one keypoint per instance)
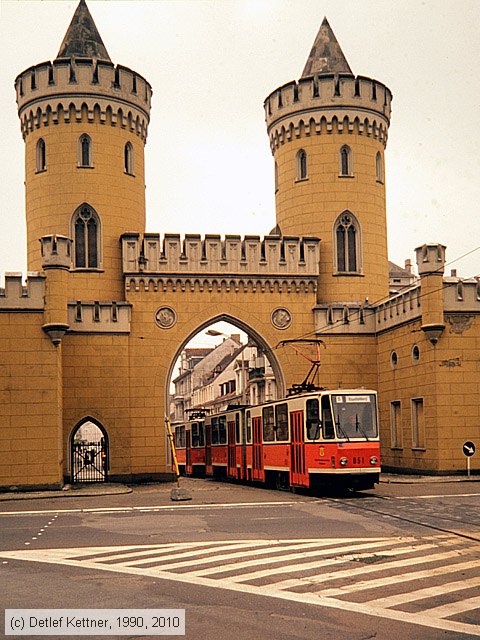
(89, 452)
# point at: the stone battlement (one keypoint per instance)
(328, 103)
(231, 255)
(99, 317)
(77, 88)
(16, 296)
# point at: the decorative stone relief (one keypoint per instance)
(281, 318)
(165, 317)
(460, 323)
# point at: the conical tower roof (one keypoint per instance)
(326, 55)
(82, 39)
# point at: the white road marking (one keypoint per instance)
(163, 507)
(428, 592)
(446, 495)
(96, 558)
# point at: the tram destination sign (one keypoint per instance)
(468, 448)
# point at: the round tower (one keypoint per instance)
(84, 122)
(328, 133)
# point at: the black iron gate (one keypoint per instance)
(89, 461)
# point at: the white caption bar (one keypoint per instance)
(95, 622)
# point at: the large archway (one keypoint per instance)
(89, 452)
(253, 339)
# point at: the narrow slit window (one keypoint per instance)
(302, 165)
(128, 158)
(85, 151)
(379, 167)
(41, 155)
(346, 168)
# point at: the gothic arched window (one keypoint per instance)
(379, 167)
(41, 159)
(85, 151)
(128, 158)
(347, 243)
(301, 168)
(86, 234)
(346, 163)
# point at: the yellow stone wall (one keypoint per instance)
(31, 451)
(311, 207)
(52, 197)
(446, 377)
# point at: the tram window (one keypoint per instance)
(198, 438)
(180, 437)
(268, 424)
(222, 430)
(238, 435)
(327, 419)
(249, 427)
(313, 420)
(281, 419)
(215, 438)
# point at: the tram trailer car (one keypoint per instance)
(316, 439)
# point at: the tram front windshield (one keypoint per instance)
(355, 416)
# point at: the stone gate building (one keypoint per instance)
(94, 333)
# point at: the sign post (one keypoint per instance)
(468, 450)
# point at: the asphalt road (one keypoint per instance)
(400, 561)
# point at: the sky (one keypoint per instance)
(211, 64)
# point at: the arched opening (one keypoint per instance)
(346, 161)
(128, 158)
(347, 244)
(41, 156)
(85, 151)
(86, 234)
(224, 363)
(301, 165)
(89, 452)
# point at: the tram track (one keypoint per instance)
(403, 518)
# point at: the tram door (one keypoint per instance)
(188, 452)
(298, 472)
(208, 450)
(232, 456)
(257, 462)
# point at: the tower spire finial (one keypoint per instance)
(326, 55)
(82, 39)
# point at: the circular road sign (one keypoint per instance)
(468, 448)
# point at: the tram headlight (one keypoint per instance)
(373, 460)
(343, 461)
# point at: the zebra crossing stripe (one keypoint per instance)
(340, 552)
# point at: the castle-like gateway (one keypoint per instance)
(93, 335)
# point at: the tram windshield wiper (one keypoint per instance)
(359, 427)
(340, 430)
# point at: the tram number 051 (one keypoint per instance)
(358, 460)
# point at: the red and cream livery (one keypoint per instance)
(320, 438)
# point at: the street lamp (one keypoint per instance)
(214, 332)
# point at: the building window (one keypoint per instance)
(301, 168)
(347, 244)
(85, 151)
(418, 424)
(128, 158)
(394, 359)
(379, 167)
(396, 425)
(41, 159)
(346, 163)
(415, 354)
(276, 177)
(86, 234)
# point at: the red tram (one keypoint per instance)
(321, 438)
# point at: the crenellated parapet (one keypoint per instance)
(328, 103)
(99, 317)
(83, 90)
(16, 296)
(212, 254)
(344, 319)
